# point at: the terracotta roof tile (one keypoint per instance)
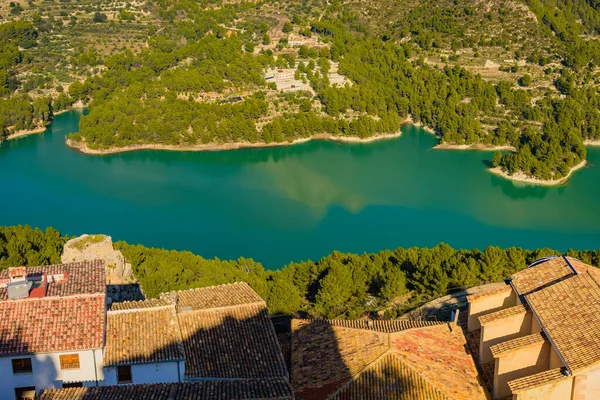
(486, 293)
(441, 357)
(272, 389)
(389, 378)
(233, 342)
(501, 314)
(79, 278)
(49, 324)
(325, 357)
(536, 380)
(518, 343)
(569, 311)
(541, 274)
(215, 297)
(386, 326)
(143, 335)
(324, 354)
(136, 305)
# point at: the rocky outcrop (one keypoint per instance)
(121, 284)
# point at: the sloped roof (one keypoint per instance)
(440, 356)
(564, 294)
(142, 335)
(386, 326)
(215, 297)
(79, 278)
(327, 358)
(232, 342)
(51, 324)
(389, 378)
(536, 380)
(268, 389)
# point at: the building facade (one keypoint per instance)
(51, 327)
(539, 337)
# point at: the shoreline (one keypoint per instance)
(26, 132)
(521, 177)
(82, 147)
(474, 146)
(40, 129)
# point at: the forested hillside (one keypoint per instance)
(338, 285)
(503, 73)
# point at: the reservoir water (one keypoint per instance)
(292, 203)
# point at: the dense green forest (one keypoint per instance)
(340, 285)
(192, 73)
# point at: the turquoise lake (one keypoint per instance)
(292, 203)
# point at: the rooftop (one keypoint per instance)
(222, 332)
(421, 362)
(65, 279)
(268, 389)
(51, 324)
(220, 296)
(148, 333)
(237, 342)
(66, 314)
(518, 343)
(536, 380)
(564, 294)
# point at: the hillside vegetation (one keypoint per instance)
(340, 285)
(186, 73)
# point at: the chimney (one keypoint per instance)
(16, 274)
(18, 287)
(454, 319)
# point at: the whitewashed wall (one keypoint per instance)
(47, 373)
(165, 372)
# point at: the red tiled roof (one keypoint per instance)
(267, 389)
(51, 324)
(233, 342)
(144, 335)
(440, 356)
(386, 326)
(389, 378)
(215, 297)
(326, 357)
(79, 278)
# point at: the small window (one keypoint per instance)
(124, 374)
(21, 365)
(69, 361)
(25, 393)
(72, 385)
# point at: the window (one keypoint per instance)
(69, 361)
(72, 384)
(25, 393)
(21, 365)
(124, 374)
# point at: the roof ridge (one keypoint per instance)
(48, 298)
(256, 303)
(208, 287)
(141, 309)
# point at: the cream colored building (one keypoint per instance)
(539, 336)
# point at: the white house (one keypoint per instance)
(51, 327)
(143, 344)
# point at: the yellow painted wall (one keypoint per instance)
(555, 361)
(560, 390)
(518, 364)
(586, 386)
(502, 330)
(489, 304)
